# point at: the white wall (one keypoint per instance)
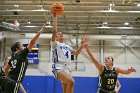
(124, 57)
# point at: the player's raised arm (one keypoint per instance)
(97, 63)
(35, 38)
(83, 42)
(54, 26)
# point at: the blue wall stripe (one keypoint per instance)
(47, 84)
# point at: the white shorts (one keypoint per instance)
(58, 68)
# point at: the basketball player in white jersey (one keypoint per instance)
(62, 57)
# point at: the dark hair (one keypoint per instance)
(14, 46)
(112, 60)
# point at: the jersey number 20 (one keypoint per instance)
(110, 81)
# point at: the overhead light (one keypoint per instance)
(40, 10)
(29, 22)
(16, 10)
(126, 23)
(138, 5)
(16, 5)
(49, 26)
(48, 22)
(105, 23)
(111, 11)
(104, 27)
(111, 7)
(30, 26)
(125, 27)
(111, 4)
(133, 11)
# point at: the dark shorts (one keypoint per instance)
(10, 86)
(7, 85)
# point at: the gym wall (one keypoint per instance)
(39, 77)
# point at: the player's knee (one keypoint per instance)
(64, 83)
(71, 81)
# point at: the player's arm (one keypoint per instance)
(128, 71)
(34, 39)
(83, 42)
(118, 86)
(77, 52)
(54, 26)
(22, 88)
(6, 69)
(99, 66)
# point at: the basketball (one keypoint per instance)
(57, 8)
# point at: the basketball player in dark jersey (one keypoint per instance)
(6, 82)
(19, 62)
(107, 73)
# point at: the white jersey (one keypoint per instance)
(61, 53)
